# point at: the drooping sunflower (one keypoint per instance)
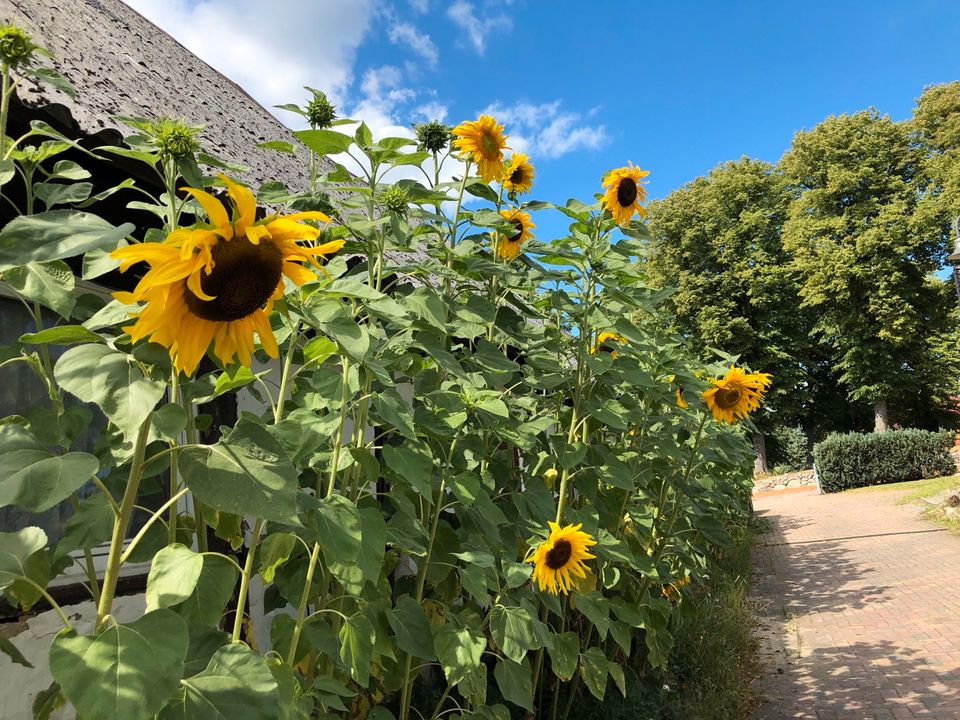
(736, 394)
(482, 141)
(217, 282)
(559, 558)
(625, 194)
(509, 247)
(518, 174)
(607, 342)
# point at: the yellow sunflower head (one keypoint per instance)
(736, 394)
(518, 174)
(508, 248)
(217, 281)
(624, 194)
(482, 141)
(607, 342)
(559, 558)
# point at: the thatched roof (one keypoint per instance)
(122, 64)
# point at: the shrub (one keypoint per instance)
(787, 450)
(857, 460)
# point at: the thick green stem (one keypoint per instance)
(245, 579)
(302, 608)
(122, 523)
(149, 523)
(285, 374)
(4, 107)
(338, 438)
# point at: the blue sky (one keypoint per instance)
(585, 87)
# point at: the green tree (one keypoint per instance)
(864, 255)
(717, 241)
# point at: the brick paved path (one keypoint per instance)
(859, 605)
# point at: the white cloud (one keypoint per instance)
(546, 130)
(270, 49)
(419, 42)
(420, 6)
(464, 16)
(431, 111)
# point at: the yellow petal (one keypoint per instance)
(244, 200)
(214, 209)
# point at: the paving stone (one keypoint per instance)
(858, 606)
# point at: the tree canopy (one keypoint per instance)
(823, 268)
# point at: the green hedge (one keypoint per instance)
(855, 459)
(787, 450)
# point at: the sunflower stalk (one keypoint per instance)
(407, 687)
(122, 523)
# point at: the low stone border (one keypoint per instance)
(768, 483)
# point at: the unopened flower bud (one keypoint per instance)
(320, 113)
(16, 46)
(433, 136)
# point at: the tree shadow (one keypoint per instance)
(800, 585)
(809, 576)
(879, 681)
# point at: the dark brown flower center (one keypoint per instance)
(516, 177)
(243, 279)
(559, 554)
(626, 192)
(517, 231)
(728, 397)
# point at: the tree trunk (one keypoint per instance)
(880, 423)
(760, 447)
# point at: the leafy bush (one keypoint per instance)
(787, 450)
(856, 460)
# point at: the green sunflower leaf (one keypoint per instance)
(173, 576)
(594, 668)
(111, 379)
(459, 650)
(247, 474)
(236, 685)
(33, 478)
(409, 624)
(55, 235)
(128, 671)
(564, 652)
(514, 681)
(15, 551)
(51, 284)
(357, 638)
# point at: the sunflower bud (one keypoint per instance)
(16, 46)
(433, 136)
(550, 477)
(396, 200)
(320, 113)
(175, 138)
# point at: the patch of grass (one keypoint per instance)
(916, 488)
(714, 658)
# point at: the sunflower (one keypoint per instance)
(624, 193)
(560, 556)
(518, 174)
(681, 403)
(607, 342)
(509, 247)
(217, 282)
(736, 394)
(482, 141)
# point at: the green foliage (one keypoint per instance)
(857, 460)
(717, 241)
(861, 255)
(388, 486)
(787, 450)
